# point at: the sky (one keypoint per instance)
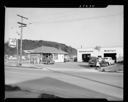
(75, 27)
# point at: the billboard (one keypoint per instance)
(12, 42)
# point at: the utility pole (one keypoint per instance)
(21, 26)
(81, 46)
(17, 51)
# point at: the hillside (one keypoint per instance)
(31, 44)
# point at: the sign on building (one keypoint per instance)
(12, 42)
(109, 50)
(85, 51)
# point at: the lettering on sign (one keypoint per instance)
(109, 50)
(12, 42)
(85, 51)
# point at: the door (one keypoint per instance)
(86, 57)
(113, 55)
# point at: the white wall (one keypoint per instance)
(60, 58)
(79, 56)
(119, 54)
(90, 51)
(117, 50)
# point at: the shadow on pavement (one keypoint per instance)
(86, 66)
(60, 89)
(15, 92)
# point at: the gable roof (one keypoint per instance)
(45, 49)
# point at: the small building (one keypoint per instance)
(41, 53)
(83, 55)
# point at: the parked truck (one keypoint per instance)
(109, 60)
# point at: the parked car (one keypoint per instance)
(48, 61)
(109, 60)
(12, 58)
(66, 59)
(103, 63)
(75, 59)
(92, 61)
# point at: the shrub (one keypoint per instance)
(11, 88)
(44, 95)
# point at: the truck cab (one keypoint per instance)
(109, 60)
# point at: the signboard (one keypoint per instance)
(12, 42)
(109, 50)
(85, 51)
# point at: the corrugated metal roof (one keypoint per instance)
(45, 49)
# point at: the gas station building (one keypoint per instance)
(83, 55)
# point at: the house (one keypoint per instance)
(43, 52)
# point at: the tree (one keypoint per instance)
(98, 48)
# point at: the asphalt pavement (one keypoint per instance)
(91, 81)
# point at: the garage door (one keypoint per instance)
(86, 57)
(113, 55)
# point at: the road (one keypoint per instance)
(94, 84)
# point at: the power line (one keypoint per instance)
(80, 19)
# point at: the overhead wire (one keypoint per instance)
(78, 19)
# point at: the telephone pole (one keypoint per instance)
(21, 26)
(17, 51)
